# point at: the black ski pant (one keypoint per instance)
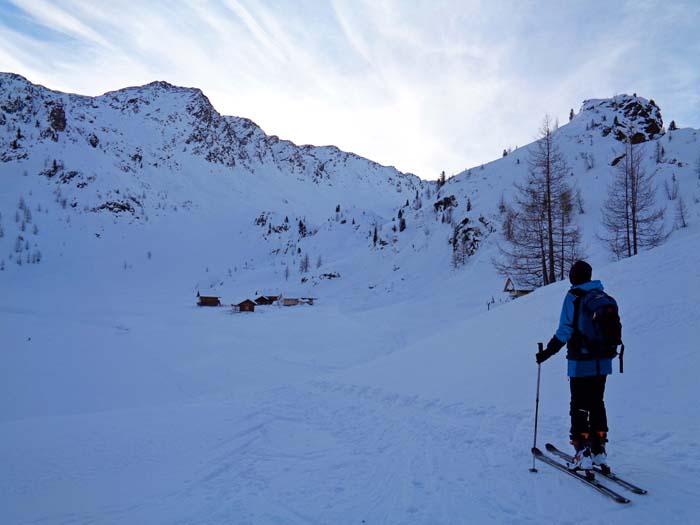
(587, 411)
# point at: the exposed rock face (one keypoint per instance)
(625, 117)
(57, 118)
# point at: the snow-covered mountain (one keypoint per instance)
(119, 141)
(147, 170)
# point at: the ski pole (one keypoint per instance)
(537, 407)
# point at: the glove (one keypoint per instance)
(553, 347)
(542, 356)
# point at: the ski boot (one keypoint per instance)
(599, 456)
(582, 459)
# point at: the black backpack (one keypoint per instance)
(597, 326)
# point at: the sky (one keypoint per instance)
(425, 86)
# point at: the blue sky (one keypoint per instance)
(422, 85)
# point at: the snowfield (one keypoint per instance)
(120, 413)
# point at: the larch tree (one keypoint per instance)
(304, 264)
(542, 237)
(631, 217)
(681, 213)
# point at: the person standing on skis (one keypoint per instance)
(589, 362)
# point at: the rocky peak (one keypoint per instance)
(624, 117)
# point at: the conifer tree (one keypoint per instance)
(542, 237)
(631, 217)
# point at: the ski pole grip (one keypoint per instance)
(540, 347)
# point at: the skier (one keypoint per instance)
(588, 369)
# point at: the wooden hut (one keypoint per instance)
(516, 289)
(290, 301)
(246, 306)
(266, 299)
(208, 300)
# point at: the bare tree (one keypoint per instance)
(456, 252)
(630, 216)
(579, 201)
(508, 223)
(671, 188)
(304, 264)
(569, 233)
(524, 257)
(543, 239)
(681, 213)
(659, 152)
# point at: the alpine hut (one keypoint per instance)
(246, 306)
(208, 300)
(266, 299)
(516, 289)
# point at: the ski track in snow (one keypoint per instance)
(328, 452)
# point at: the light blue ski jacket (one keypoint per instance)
(589, 368)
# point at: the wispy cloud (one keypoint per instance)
(424, 85)
(51, 15)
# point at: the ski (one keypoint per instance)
(607, 473)
(593, 483)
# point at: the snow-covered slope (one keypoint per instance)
(130, 410)
(134, 179)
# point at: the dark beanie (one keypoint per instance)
(580, 273)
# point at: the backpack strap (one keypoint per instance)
(577, 336)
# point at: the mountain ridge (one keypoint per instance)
(161, 156)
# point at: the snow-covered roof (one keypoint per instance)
(516, 285)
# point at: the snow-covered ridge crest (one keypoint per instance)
(158, 125)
